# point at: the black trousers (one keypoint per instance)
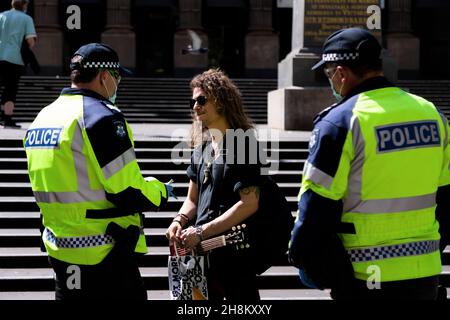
(9, 76)
(111, 279)
(230, 276)
(415, 289)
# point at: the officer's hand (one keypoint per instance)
(306, 280)
(169, 189)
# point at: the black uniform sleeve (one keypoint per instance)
(443, 215)
(315, 246)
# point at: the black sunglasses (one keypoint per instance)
(201, 100)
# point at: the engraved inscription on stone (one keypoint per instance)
(323, 17)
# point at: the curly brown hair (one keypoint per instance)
(218, 87)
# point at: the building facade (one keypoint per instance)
(247, 38)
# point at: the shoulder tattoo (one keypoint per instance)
(248, 190)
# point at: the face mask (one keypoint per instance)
(114, 96)
(337, 96)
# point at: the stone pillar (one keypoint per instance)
(295, 68)
(119, 33)
(261, 43)
(190, 18)
(299, 96)
(401, 43)
(49, 45)
(302, 93)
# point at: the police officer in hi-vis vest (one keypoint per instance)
(88, 185)
(373, 215)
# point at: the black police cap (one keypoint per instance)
(353, 44)
(94, 56)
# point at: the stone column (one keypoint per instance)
(299, 96)
(302, 93)
(190, 18)
(261, 43)
(401, 43)
(119, 33)
(49, 46)
(295, 68)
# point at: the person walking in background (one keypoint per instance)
(375, 184)
(15, 27)
(222, 193)
(88, 185)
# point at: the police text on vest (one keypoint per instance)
(42, 138)
(408, 135)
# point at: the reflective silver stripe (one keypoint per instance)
(394, 251)
(68, 197)
(316, 175)
(395, 205)
(78, 242)
(84, 193)
(118, 163)
(354, 203)
(355, 175)
(444, 123)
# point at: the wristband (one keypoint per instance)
(199, 232)
(182, 215)
(177, 221)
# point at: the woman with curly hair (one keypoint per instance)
(224, 184)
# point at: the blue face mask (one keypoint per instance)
(337, 96)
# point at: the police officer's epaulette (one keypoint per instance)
(324, 112)
(110, 106)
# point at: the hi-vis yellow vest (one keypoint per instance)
(383, 153)
(84, 175)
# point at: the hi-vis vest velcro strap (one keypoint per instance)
(78, 242)
(394, 251)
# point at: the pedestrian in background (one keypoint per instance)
(15, 27)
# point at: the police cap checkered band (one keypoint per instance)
(340, 56)
(101, 65)
(96, 56)
(353, 44)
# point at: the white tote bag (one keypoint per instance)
(187, 279)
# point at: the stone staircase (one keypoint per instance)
(437, 91)
(142, 100)
(165, 100)
(24, 270)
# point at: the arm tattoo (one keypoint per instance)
(255, 189)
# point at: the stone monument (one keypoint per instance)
(303, 93)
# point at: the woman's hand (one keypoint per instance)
(173, 233)
(190, 238)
